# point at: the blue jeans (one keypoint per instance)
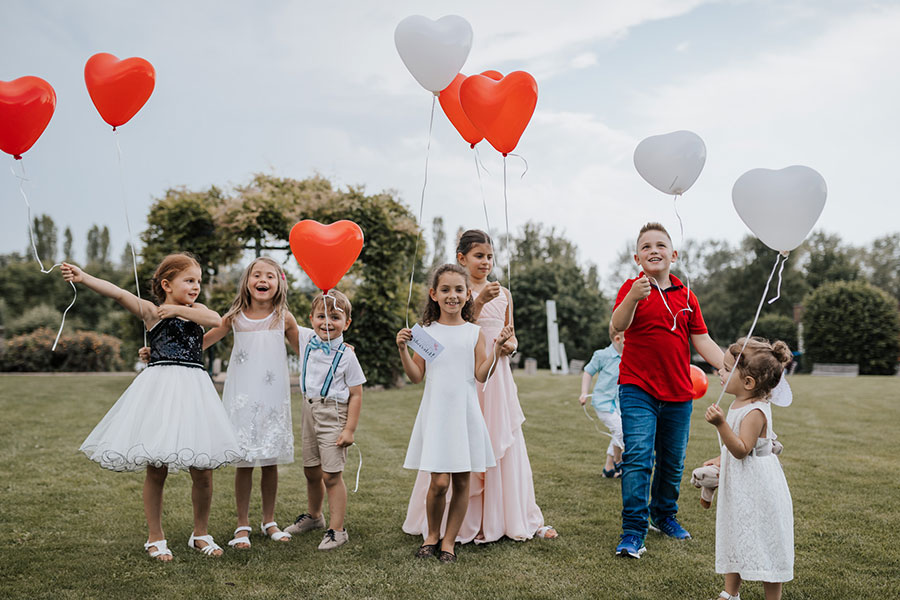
(654, 431)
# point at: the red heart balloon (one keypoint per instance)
(26, 105)
(118, 88)
(699, 382)
(449, 99)
(326, 252)
(500, 110)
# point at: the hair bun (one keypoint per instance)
(782, 352)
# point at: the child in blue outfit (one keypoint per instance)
(605, 398)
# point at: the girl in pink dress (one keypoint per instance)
(501, 500)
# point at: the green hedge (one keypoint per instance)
(852, 322)
(79, 351)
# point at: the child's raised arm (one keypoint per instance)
(624, 313)
(483, 360)
(752, 427)
(198, 313)
(414, 365)
(136, 306)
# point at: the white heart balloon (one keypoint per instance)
(780, 207)
(433, 51)
(672, 162)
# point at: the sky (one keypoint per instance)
(293, 89)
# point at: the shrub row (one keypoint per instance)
(78, 351)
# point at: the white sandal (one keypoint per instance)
(242, 539)
(723, 595)
(161, 548)
(542, 532)
(278, 535)
(210, 547)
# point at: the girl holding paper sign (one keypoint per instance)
(449, 439)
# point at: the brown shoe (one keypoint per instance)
(446, 557)
(427, 550)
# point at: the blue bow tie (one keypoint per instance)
(318, 343)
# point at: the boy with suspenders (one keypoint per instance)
(331, 380)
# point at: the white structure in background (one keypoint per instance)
(559, 363)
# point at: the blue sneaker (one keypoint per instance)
(630, 546)
(671, 527)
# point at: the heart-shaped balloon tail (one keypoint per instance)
(433, 51)
(26, 106)
(326, 252)
(118, 88)
(500, 109)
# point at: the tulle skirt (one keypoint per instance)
(170, 416)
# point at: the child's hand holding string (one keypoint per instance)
(714, 415)
(72, 273)
(488, 292)
(403, 337)
(144, 354)
(505, 333)
(345, 439)
(640, 289)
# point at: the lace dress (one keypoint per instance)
(257, 394)
(754, 516)
(170, 415)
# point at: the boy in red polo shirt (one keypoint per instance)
(661, 321)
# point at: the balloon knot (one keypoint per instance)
(505, 154)
(472, 146)
(17, 156)
(114, 127)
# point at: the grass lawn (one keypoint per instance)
(69, 529)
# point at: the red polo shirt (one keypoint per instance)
(655, 358)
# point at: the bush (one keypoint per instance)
(774, 327)
(853, 322)
(34, 318)
(79, 351)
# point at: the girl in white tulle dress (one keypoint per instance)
(754, 516)
(257, 393)
(449, 439)
(170, 418)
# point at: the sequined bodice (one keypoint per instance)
(176, 341)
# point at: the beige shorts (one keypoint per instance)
(321, 427)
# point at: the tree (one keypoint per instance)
(544, 267)
(98, 246)
(45, 237)
(827, 259)
(439, 237)
(881, 264)
(852, 322)
(67, 244)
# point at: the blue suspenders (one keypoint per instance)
(338, 353)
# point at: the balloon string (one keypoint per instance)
(687, 274)
(752, 326)
(359, 470)
(594, 421)
(412, 271)
(522, 158)
(666, 304)
(23, 178)
(137, 285)
(780, 271)
(478, 167)
(508, 247)
(491, 369)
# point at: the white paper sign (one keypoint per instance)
(424, 345)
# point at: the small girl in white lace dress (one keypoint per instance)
(170, 418)
(754, 516)
(257, 393)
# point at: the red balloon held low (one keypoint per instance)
(326, 252)
(499, 109)
(699, 382)
(118, 88)
(26, 106)
(449, 99)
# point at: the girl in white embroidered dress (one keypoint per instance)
(754, 516)
(257, 393)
